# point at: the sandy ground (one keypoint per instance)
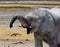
(19, 44)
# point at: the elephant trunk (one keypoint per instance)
(12, 21)
(22, 20)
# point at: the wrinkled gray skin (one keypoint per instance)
(44, 23)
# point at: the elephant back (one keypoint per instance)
(56, 15)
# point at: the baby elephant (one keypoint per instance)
(44, 23)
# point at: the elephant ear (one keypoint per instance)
(48, 24)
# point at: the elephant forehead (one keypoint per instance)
(40, 12)
(31, 15)
(37, 13)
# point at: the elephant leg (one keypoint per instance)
(53, 43)
(38, 41)
(53, 40)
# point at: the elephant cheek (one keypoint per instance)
(31, 30)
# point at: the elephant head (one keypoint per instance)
(30, 21)
(27, 23)
(33, 21)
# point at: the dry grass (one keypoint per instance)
(17, 6)
(21, 41)
(5, 34)
(14, 9)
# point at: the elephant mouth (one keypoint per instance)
(29, 28)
